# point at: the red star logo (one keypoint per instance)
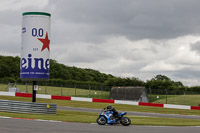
(45, 42)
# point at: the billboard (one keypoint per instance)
(35, 46)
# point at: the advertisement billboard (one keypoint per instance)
(35, 46)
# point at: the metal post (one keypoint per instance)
(175, 98)
(150, 95)
(183, 97)
(125, 93)
(61, 90)
(26, 87)
(166, 96)
(89, 90)
(34, 92)
(46, 88)
(75, 89)
(101, 90)
(118, 93)
(8, 86)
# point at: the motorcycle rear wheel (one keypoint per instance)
(125, 121)
(101, 120)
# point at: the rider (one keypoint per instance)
(110, 108)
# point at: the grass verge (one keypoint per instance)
(193, 100)
(58, 91)
(103, 105)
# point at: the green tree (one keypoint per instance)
(162, 84)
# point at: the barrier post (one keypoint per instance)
(34, 92)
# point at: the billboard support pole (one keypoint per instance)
(34, 92)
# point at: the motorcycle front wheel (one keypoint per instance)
(125, 121)
(101, 120)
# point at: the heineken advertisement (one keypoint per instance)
(35, 46)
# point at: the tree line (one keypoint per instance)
(61, 74)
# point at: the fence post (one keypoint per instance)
(89, 90)
(183, 97)
(8, 86)
(109, 90)
(75, 89)
(175, 98)
(101, 91)
(150, 95)
(61, 89)
(166, 95)
(68, 91)
(26, 88)
(46, 88)
(118, 93)
(125, 94)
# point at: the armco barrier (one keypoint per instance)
(23, 95)
(102, 100)
(27, 107)
(43, 96)
(7, 93)
(177, 106)
(81, 99)
(61, 97)
(195, 108)
(126, 102)
(151, 104)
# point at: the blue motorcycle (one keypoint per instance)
(106, 117)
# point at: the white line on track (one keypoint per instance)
(5, 117)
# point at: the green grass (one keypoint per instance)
(155, 121)
(70, 116)
(3, 87)
(88, 117)
(85, 117)
(58, 91)
(193, 100)
(103, 105)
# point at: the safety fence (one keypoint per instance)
(27, 107)
(102, 101)
(180, 97)
(76, 90)
(163, 96)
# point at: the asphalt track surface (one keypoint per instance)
(10, 125)
(33, 126)
(132, 113)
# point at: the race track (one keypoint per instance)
(8, 125)
(132, 113)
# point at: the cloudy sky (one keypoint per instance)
(127, 38)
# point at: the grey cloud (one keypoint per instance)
(83, 53)
(11, 18)
(10, 39)
(186, 74)
(196, 47)
(135, 19)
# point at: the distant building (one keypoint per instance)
(130, 93)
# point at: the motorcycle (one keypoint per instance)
(106, 117)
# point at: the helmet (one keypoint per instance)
(109, 107)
